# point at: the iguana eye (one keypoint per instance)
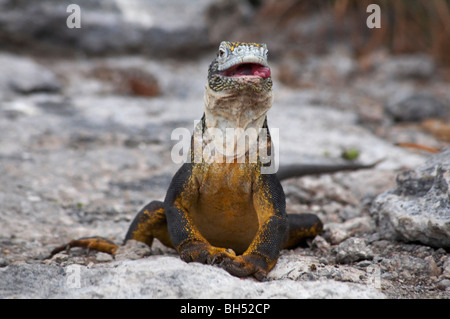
(222, 53)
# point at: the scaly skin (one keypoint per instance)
(226, 212)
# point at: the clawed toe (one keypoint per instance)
(91, 243)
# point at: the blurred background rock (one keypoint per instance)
(174, 28)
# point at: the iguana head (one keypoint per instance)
(238, 93)
(240, 65)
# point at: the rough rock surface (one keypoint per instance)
(419, 208)
(353, 249)
(161, 277)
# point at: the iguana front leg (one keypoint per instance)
(262, 254)
(190, 244)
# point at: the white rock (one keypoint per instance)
(161, 277)
(419, 208)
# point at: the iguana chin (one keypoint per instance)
(227, 212)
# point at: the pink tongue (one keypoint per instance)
(261, 71)
(248, 69)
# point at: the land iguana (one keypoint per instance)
(221, 209)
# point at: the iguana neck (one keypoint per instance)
(243, 111)
(244, 108)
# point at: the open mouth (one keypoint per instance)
(247, 69)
